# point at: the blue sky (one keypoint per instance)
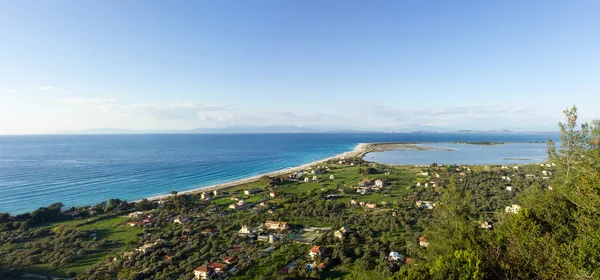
(388, 65)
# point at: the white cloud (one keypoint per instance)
(2, 91)
(46, 88)
(185, 110)
(80, 100)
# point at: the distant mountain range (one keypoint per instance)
(281, 129)
(235, 129)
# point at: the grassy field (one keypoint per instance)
(284, 254)
(114, 229)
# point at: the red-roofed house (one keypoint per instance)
(218, 267)
(231, 260)
(423, 242)
(315, 252)
(203, 272)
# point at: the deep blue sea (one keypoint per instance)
(37, 171)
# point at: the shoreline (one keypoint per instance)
(359, 151)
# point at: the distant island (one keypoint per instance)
(485, 143)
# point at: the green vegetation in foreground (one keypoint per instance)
(447, 222)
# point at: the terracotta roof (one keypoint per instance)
(409, 260)
(203, 268)
(230, 259)
(315, 249)
(422, 239)
(216, 265)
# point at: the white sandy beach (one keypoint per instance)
(359, 151)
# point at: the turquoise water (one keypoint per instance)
(36, 171)
(510, 153)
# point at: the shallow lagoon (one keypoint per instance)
(510, 153)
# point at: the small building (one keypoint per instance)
(341, 233)
(136, 214)
(133, 224)
(315, 179)
(462, 174)
(306, 180)
(272, 225)
(315, 252)
(425, 204)
(353, 202)
(208, 231)
(394, 256)
(216, 192)
(128, 255)
(423, 242)
(380, 183)
(217, 267)
(331, 177)
(203, 272)
(549, 187)
(364, 183)
(371, 205)
(181, 220)
(274, 194)
(245, 230)
(486, 225)
(231, 260)
(254, 191)
(205, 195)
(423, 173)
(513, 209)
(509, 188)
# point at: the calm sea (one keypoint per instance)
(36, 171)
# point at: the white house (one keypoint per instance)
(394, 256)
(331, 177)
(514, 209)
(203, 272)
(315, 179)
(245, 230)
(306, 180)
(486, 225)
(423, 242)
(509, 188)
(315, 252)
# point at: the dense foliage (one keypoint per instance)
(554, 235)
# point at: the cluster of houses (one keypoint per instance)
(368, 186)
(273, 225)
(365, 204)
(140, 219)
(209, 195)
(425, 204)
(144, 249)
(239, 205)
(213, 269)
